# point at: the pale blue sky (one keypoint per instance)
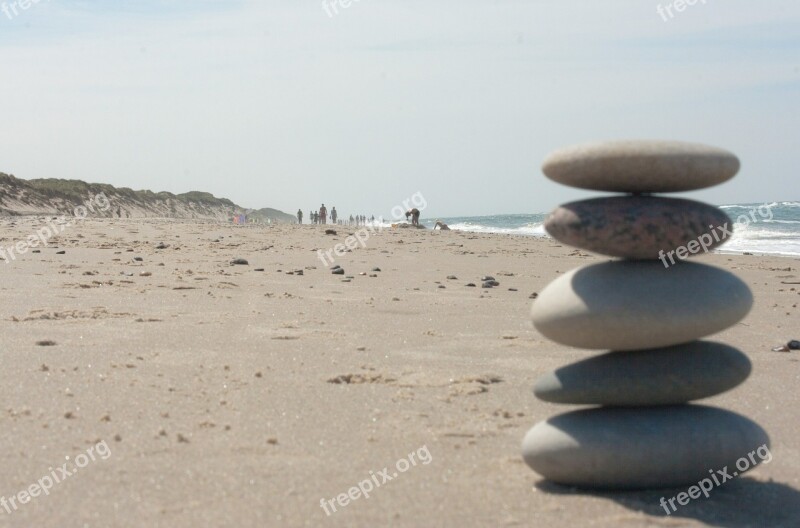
(274, 103)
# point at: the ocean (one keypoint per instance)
(768, 228)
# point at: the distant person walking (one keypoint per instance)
(323, 214)
(299, 216)
(334, 215)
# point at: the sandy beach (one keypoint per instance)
(229, 396)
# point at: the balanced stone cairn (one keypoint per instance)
(641, 431)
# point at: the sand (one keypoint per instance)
(234, 397)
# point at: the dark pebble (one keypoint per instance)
(488, 284)
(138, 259)
(471, 285)
(259, 269)
(61, 252)
(452, 277)
(337, 271)
(376, 269)
(239, 262)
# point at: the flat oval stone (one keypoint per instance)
(640, 448)
(630, 305)
(641, 166)
(660, 376)
(640, 227)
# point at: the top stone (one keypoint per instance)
(641, 166)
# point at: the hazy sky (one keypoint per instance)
(274, 103)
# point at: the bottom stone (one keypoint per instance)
(640, 448)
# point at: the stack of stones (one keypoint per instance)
(641, 431)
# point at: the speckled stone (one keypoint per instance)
(661, 376)
(641, 166)
(631, 305)
(639, 448)
(639, 227)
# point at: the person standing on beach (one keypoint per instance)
(299, 216)
(334, 215)
(323, 215)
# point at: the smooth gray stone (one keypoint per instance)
(641, 448)
(639, 227)
(661, 376)
(641, 166)
(631, 305)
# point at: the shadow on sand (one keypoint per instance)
(743, 503)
